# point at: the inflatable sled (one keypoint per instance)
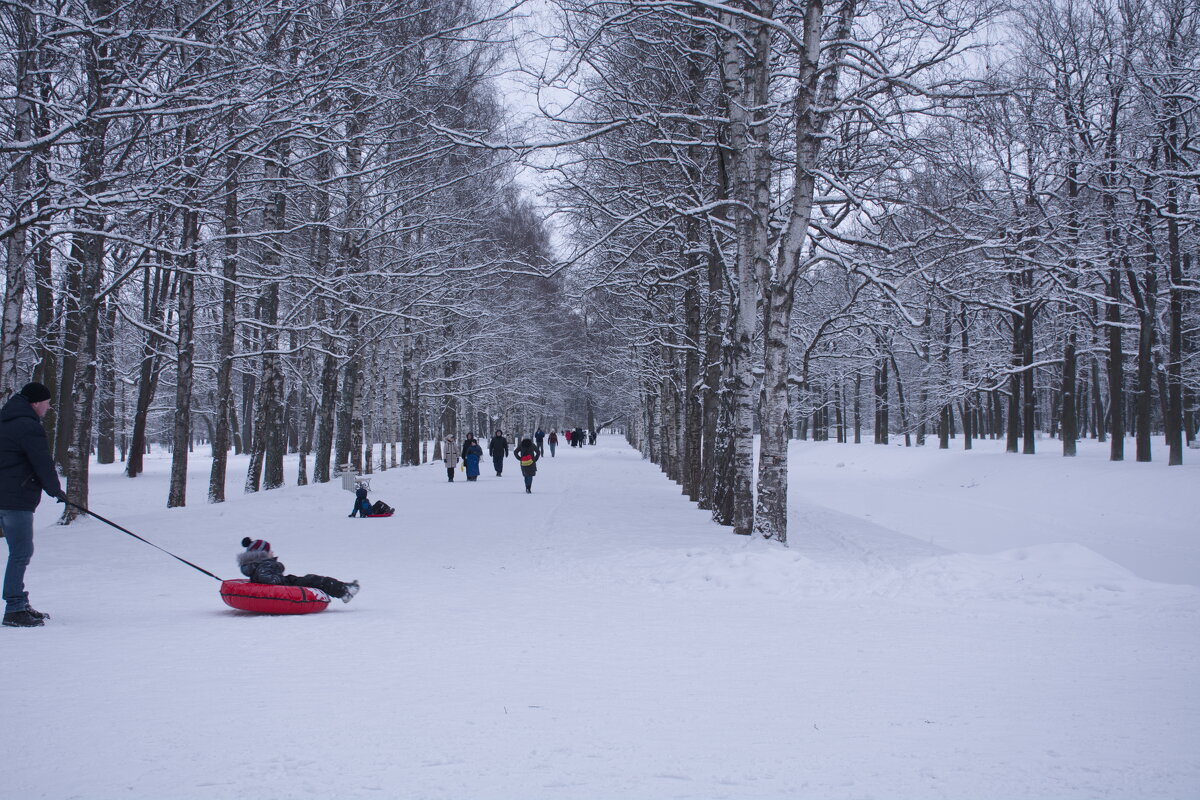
(265, 598)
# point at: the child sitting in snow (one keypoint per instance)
(362, 506)
(260, 565)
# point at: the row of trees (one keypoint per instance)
(798, 215)
(247, 221)
(285, 226)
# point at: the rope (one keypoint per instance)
(139, 538)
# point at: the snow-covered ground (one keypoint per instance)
(944, 624)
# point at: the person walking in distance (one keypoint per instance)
(527, 454)
(450, 456)
(472, 452)
(552, 440)
(498, 450)
(26, 470)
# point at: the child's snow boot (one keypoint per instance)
(351, 590)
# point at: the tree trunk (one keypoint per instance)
(270, 441)
(20, 168)
(185, 344)
(815, 95)
(1028, 400)
(745, 77)
(84, 270)
(1014, 383)
(968, 408)
(1177, 267)
(1116, 368)
(106, 434)
(229, 276)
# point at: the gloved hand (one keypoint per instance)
(61, 496)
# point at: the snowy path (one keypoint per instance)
(600, 638)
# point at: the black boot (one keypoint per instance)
(22, 619)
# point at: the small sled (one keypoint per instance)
(266, 598)
(380, 509)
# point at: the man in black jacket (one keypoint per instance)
(26, 470)
(498, 450)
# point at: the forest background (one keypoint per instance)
(305, 226)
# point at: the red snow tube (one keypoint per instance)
(265, 598)
(388, 514)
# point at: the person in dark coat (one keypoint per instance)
(261, 565)
(472, 453)
(552, 440)
(540, 438)
(26, 470)
(527, 454)
(362, 506)
(498, 450)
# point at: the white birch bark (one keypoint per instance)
(815, 94)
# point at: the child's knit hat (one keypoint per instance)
(256, 545)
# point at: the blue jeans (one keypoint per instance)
(18, 532)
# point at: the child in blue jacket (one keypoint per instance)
(362, 506)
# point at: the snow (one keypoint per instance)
(944, 624)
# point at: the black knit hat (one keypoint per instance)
(35, 392)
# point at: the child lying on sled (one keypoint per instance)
(260, 565)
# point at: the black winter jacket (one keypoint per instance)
(261, 568)
(498, 447)
(521, 452)
(26, 466)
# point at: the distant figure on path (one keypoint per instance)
(472, 453)
(540, 436)
(450, 456)
(527, 454)
(498, 450)
(552, 440)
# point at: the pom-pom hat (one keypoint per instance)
(256, 545)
